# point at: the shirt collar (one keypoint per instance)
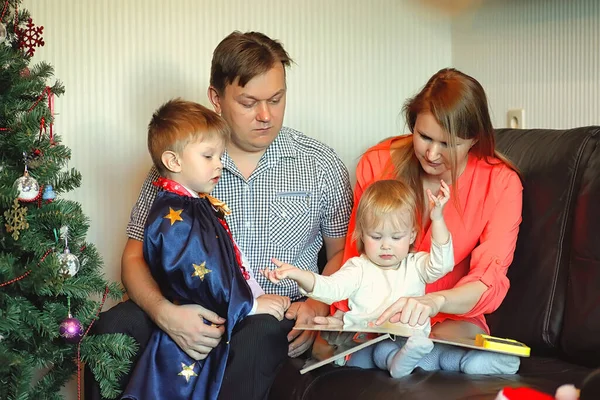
(192, 193)
(282, 147)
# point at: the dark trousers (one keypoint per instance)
(258, 349)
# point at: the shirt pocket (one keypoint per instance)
(289, 219)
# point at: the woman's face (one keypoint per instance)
(433, 150)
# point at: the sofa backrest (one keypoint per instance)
(580, 339)
(553, 303)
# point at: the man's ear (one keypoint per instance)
(171, 161)
(215, 99)
(413, 236)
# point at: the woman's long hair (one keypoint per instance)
(459, 105)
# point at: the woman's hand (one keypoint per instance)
(437, 203)
(413, 310)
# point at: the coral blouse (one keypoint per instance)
(484, 236)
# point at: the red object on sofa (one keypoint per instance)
(522, 394)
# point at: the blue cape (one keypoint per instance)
(192, 258)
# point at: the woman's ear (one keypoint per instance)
(171, 161)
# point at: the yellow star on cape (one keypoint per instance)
(174, 216)
(187, 371)
(200, 270)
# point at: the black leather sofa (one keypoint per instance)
(553, 304)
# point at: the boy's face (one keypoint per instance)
(254, 112)
(200, 165)
(387, 245)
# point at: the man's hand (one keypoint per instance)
(413, 310)
(185, 325)
(303, 313)
(273, 304)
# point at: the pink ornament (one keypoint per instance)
(71, 330)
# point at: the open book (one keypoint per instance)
(368, 335)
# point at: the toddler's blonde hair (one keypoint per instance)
(385, 200)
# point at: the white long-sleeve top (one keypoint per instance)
(370, 289)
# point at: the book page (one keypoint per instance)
(387, 327)
(386, 330)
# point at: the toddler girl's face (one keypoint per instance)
(388, 244)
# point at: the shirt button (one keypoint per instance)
(497, 261)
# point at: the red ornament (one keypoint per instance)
(29, 37)
(25, 73)
(523, 393)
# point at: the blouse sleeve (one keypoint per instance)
(492, 257)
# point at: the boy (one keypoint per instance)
(191, 254)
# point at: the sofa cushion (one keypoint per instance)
(552, 164)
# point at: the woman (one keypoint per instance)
(452, 140)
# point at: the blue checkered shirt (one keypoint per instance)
(299, 192)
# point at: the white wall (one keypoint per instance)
(356, 62)
(540, 55)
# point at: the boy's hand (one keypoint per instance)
(283, 271)
(438, 202)
(273, 304)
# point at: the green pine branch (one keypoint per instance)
(35, 362)
(109, 358)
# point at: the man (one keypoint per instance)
(289, 196)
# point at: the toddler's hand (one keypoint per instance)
(438, 202)
(283, 271)
(273, 304)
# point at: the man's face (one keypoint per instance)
(254, 112)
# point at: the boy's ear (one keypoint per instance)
(171, 161)
(215, 99)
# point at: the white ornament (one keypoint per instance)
(69, 263)
(27, 187)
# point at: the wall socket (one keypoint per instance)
(515, 118)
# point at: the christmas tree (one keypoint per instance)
(51, 283)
